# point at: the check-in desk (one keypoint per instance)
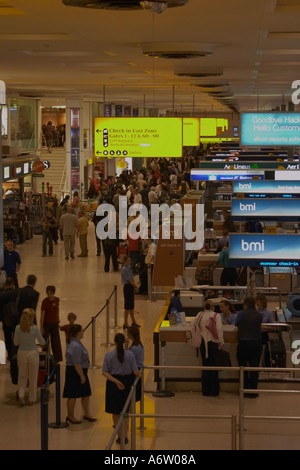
(171, 349)
(176, 352)
(205, 260)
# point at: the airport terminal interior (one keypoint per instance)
(199, 101)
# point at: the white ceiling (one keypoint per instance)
(50, 50)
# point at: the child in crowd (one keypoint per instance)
(66, 328)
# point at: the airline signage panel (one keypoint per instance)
(270, 129)
(226, 175)
(267, 187)
(264, 247)
(261, 208)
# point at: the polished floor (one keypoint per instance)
(83, 287)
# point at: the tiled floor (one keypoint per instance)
(83, 287)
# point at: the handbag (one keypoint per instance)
(222, 358)
(148, 258)
(212, 327)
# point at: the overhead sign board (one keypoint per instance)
(191, 132)
(138, 137)
(262, 165)
(265, 249)
(267, 187)
(287, 175)
(270, 129)
(265, 208)
(226, 175)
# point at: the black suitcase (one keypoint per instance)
(275, 355)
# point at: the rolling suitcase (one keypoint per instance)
(45, 367)
(275, 351)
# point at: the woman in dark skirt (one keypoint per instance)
(120, 369)
(129, 289)
(138, 351)
(77, 384)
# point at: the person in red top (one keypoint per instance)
(50, 322)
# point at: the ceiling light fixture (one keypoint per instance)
(156, 6)
(173, 50)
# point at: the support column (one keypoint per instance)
(2, 101)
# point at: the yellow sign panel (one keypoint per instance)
(138, 137)
(208, 127)
(191, 132)
(271, 229)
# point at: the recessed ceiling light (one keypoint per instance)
(179, 50)
(208, 73)
(156, 6)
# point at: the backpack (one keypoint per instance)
(10, 314)
(193, 333)
(204, 274)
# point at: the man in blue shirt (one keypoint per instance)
(12, 262)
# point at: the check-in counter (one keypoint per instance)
(171, 349)
(177, 352)
(207, 259)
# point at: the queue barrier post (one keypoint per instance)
(116, 307)
(142, 402)
(58, 424)
(93, 323)
(45, 393)
(94, 366)
(163, 393)
(44, 418)
(107, 344)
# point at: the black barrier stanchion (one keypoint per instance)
(45, 393)
(163, 393)
(58, 424)
(44, 417)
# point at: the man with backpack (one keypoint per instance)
(9, 313)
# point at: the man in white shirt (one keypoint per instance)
(137, 198)
(68, 223)
(152, 196)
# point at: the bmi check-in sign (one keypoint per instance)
(138, 137)
(266, 208)
(265, 247)
(267, 187)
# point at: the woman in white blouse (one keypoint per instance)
(212, 340)
(26, 335)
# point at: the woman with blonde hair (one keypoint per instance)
(25, 337)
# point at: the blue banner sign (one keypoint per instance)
(288, 209)
(267, 187)
(226, 175)
(270, 129)
(266, 165)
(267, 250)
